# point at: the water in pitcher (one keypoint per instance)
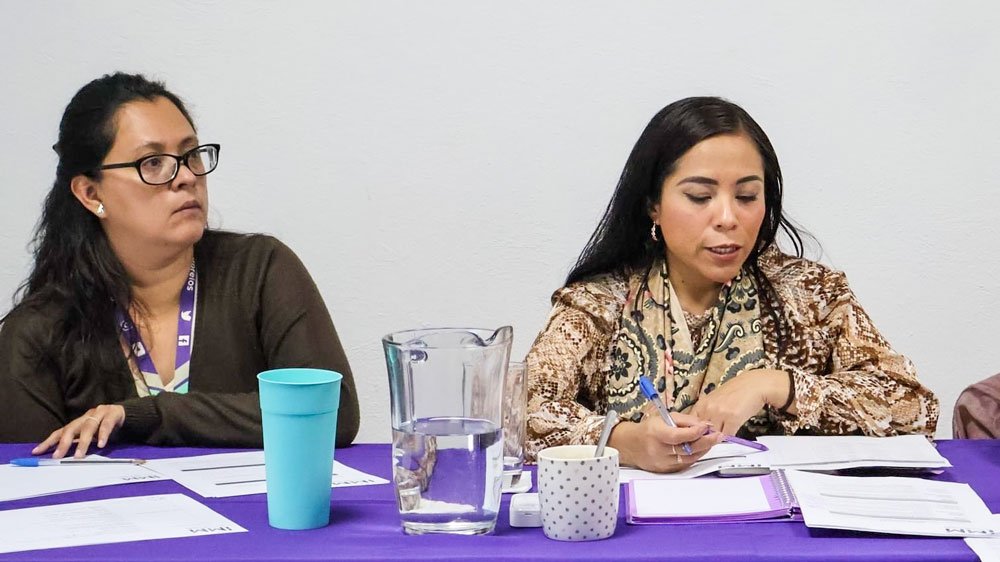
(435, 466)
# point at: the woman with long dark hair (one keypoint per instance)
(138, 322)
(683, 282)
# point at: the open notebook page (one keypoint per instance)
(700, 497)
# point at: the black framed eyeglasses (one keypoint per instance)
(158, 169)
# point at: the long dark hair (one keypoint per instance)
(622, 243)
(75, 270)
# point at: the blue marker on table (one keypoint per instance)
(650, 392)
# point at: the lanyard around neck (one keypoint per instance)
(185, 327)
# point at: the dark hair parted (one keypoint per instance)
(621, 243)
(75, 268)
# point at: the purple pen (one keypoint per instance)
(745, 442)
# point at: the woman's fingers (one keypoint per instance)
(98, 423)
(689, 428)
(113, 416)
(687, 420)
(670, 449)
(69, 435)
(108, 426)
(51, 440)
(676, 460)
(701, 445)
(87, 428)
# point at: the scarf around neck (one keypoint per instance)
(653, 340)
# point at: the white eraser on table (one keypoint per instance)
(525, 510)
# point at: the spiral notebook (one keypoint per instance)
(712, 500)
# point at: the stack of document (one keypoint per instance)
(851, 451)
(908, 506)
(814, 453)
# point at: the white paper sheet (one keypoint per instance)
(851, 451)
(238, 474)
(906, 506)
(110, 521)
(19, 482)
(699, 498)
(721, 455)
(988, 550)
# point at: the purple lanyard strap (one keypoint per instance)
(185, 326)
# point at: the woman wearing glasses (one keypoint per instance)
(683, 282)
(137, 322)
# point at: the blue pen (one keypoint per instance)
(650, 392)
(35, 461)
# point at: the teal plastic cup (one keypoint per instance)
(299, 412)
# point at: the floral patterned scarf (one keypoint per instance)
(653, 340)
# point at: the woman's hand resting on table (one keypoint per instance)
(98, 422)
(654, 446)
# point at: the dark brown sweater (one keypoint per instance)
(258, 309)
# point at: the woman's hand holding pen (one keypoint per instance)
(654, 446)
(730, 405)
(99, 422)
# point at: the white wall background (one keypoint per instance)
(444, 162)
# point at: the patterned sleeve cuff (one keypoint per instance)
(588, 431)
(808, 395)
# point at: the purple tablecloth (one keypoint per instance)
(365, 526)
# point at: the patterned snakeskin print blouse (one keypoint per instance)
(847, 378)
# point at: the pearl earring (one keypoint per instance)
(100, 210)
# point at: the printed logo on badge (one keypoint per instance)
(138, 349)
(183, 341)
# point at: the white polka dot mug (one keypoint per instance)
(578, 492)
